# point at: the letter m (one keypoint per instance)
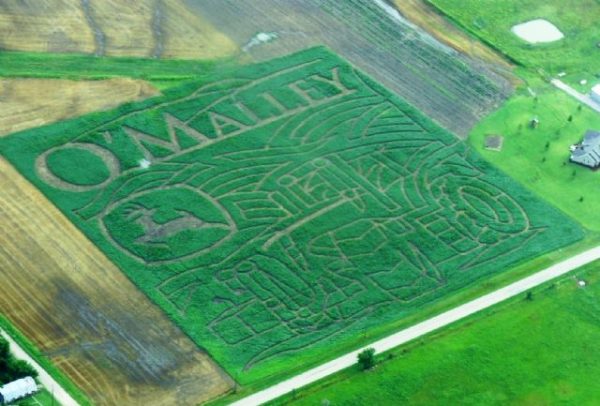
(143, 140)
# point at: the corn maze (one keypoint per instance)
(285, 205)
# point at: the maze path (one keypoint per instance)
(272, 211)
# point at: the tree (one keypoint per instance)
(529, 296)
(11, 368)
(570, 118)
(366, 358)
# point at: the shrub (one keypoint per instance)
(366, 358)
(11, 368)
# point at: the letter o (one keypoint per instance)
(45, 173)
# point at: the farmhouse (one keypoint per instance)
(17, 389)
(595, 94)
(587, 153)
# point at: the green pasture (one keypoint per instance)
(577, 53)
(539, 158)
(163, 73)
(523, 352)
(40, 398)
(280, 211)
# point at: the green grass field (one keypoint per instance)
(162, 73)
(538, 352)
(40, 398)
(491, 20)
(285, 207)
(539, 157)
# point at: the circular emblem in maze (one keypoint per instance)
(168, 224)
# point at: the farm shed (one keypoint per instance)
(587, 153)
(596, 93)
(17, 389)
(494, 142)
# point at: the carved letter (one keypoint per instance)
(219, 122)
(45, 173)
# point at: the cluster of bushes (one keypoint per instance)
(11, 368)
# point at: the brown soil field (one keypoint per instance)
(86, 316)
(156, 28)
(28, 103)
(54, 26)
(456, 86)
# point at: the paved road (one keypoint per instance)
(49, 383)
(423, 328)
(583, 98)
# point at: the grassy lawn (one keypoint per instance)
(491, 20)
(41, 398)
(538, 158)
(521, 352)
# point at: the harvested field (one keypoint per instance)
(286, 206)
(454, 88)
(52, 26)
(421, 13)
(28, 103)
(153, 28)
(85, 315)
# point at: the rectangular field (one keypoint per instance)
(286, 207)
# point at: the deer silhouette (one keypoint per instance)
(157, 233)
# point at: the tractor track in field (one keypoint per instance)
(157, 29)
(99, 36)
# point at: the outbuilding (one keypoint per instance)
(596, 93)
(17, 389)
(587, 153)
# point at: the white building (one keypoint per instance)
(17, 389)
(588, 152)
(596, 93)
